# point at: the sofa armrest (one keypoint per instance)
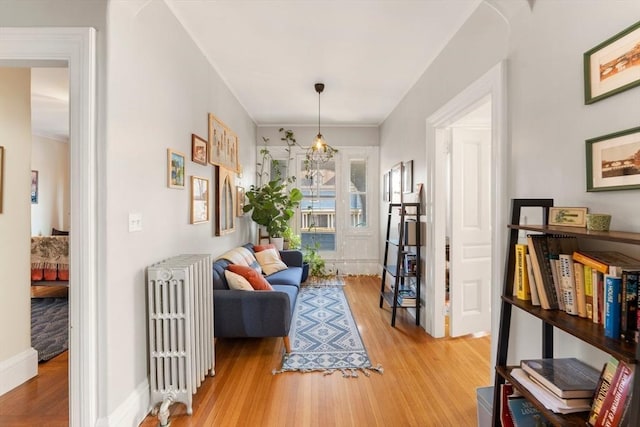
(251, 313)
(293, 258)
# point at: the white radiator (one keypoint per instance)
(180, 308)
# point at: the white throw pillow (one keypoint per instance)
(270, 261)
(237, 282)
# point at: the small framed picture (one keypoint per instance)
(407, 177)
(198, 149)
(34, 187)
(239, 201)
(613, 66)
(613, 161)
(385, 187)
(175, 169)
(571, 217)
(395, 177)
(199, 200)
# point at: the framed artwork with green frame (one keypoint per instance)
(613, 161)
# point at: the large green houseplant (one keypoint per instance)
(272, 205)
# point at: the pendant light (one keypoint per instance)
(320, 151)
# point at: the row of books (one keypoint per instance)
(406, 297)
(568, 385)
(552, 272)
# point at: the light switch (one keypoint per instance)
(135, 222)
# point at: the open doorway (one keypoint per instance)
(451, 141)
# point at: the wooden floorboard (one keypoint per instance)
(426, 381)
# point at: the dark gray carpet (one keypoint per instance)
(49, 326)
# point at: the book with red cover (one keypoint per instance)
(506, 390)
(606, 377)
(614, 403)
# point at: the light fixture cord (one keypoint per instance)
(319, 113)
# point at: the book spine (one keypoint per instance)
(568, 284)
(522, 280)
(604, 383)
(612, 286)
(505, 414)
(598, 296)
(533, 286)
(536, 265)
(588, 289)
(614, 402)
(581, 299)
(628, 326)
(542, 256)
(595, 264)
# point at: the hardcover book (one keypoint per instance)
(581, 297)
(607, 262)
(539, 252)
(568, 284)
(524, 414)
(604, 382)
(612, 286)
(615, 401)
(565, 377)
(533, 286)
(522, 278)
(629, 314)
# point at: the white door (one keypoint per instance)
(470, 243)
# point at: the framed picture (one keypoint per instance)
(223, 145)
(396, 183)
(175, 169)
(613, 161)
(225, 203)
(613, 66)
(198, 149)
(407, 176)
(239, 201)
(34, 187)
(1, 175)
(571, 217)
(199, 200)
(385, 187)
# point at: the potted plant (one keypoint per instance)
(316, 264)
(272, 206)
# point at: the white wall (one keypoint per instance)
(15, 244)
(51, 159)
(161, 89)
(547, 118)
(334, 135)
(479, 45)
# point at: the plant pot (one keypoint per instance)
(305, 271)
(278, 242)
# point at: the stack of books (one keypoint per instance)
(562, 385)
(406, 297)
(611, 403)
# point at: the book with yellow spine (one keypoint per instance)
(522, 276)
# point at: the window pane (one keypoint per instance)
(278, 169)
(318, 206)
(358, 193)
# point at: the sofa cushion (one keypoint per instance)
(237, 282)
(291, 291)
(219, 279)
(257, 281)
(270, 262)
(242, 256)
(291, 276)
(260, 248)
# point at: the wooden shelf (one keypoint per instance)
(577, 419)
(583, 329)
(611, 236)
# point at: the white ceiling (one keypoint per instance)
(369, 53)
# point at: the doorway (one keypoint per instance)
(443, 129)
(75, 48)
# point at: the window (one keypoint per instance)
(317, 220)
(358, 193)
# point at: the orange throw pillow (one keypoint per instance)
(257, 281)
(260, 248)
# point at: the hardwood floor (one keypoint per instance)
(426, 381)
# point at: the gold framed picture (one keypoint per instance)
(175, 169)
(199, 200)
(570, 217)
(225, 201)
(198, 149)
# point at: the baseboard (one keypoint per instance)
(18, 369)
(132, 411)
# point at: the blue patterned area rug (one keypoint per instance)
(49, 326)
(324, 336)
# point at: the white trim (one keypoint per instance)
(132, 411)
(18, 369)
(75, 47)
(492, 83)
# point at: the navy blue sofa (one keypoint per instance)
(260, 313)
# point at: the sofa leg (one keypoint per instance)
(287, 344)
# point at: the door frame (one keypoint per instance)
(76, 49)
(492, 83)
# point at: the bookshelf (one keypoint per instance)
(404, 268)
(583, 329)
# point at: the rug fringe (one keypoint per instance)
(346, 372)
